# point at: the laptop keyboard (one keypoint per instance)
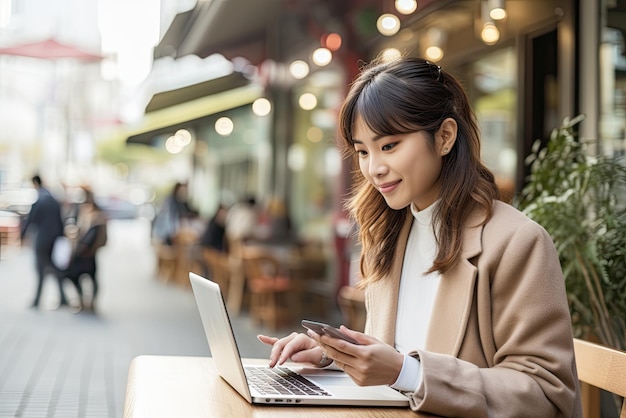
(281, 381)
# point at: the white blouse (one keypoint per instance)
(416, 296)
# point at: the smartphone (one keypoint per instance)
(325, 329)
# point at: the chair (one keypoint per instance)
(166, 261)
(603, 368)
(309, 267)
(185, 245)
(218, 268)
(352, 305)
(270, 291)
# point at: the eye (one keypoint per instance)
(388, 147)
(361, 153)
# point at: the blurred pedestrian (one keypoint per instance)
(214, 235)
(91, 234)
(241, 222)
(173, 212)
(277, 222)
(45, 218)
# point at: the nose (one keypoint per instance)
(377, 166)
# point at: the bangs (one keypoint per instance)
(389, 107)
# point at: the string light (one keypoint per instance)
(388, 24)
(299, 69)
(390, 54)
(406, 7)
(322, 56)
(261, 107)
(436, 38)
(496, 9)
(307, 101)
(332, 41)
(224, 126)
(490, 33)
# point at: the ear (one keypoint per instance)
(446, 136)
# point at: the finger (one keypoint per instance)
(292, 347)
(277, 348)
(286, 347)
(276, 353)
(267, 340)
(338, 346)
(313, 335)
(306, 356)
(359, 336)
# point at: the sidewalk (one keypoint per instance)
(54, 363)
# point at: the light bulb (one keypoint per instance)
(490, 33)
(406, 7)
(388, 24)
(307, 101)
(299, 69)
(322, 56)
(261, 106)
(434, 53)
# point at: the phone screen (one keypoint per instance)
(325, 329)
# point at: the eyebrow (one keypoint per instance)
(374, 139)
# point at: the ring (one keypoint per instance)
(324, 360)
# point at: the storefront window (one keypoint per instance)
(236, 163)
(612, 126)
(313, 158)
(491, 82)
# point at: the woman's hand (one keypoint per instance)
(297, 347)
(371, 363)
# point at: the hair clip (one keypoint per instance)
(438, 67)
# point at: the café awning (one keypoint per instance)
(172, 110)
(232, 28)
(50, 49)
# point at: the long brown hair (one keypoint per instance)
(404, 96)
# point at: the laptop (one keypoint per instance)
(312, 386)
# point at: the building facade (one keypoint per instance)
(542, 62)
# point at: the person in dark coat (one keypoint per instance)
(214, 236)
(45, 218)
(175, 209)
(91, 235)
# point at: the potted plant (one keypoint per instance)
(579, 199)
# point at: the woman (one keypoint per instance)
(175, 210)
(91, 232)
(466, 306)
(214, 235)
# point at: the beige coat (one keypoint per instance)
(500, 339)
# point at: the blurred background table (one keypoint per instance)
(9, 229)
(286, 281)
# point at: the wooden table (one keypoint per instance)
(171, 386)
(9, 229)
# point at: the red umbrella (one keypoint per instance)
(50, 49)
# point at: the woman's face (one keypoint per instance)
(404, 168)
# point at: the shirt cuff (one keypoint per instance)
(410, 376)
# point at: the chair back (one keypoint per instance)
(602, 367)
(352, 305)
(219, 268)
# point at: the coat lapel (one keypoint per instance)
(455, 296)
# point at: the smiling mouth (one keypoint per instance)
(388, 187)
